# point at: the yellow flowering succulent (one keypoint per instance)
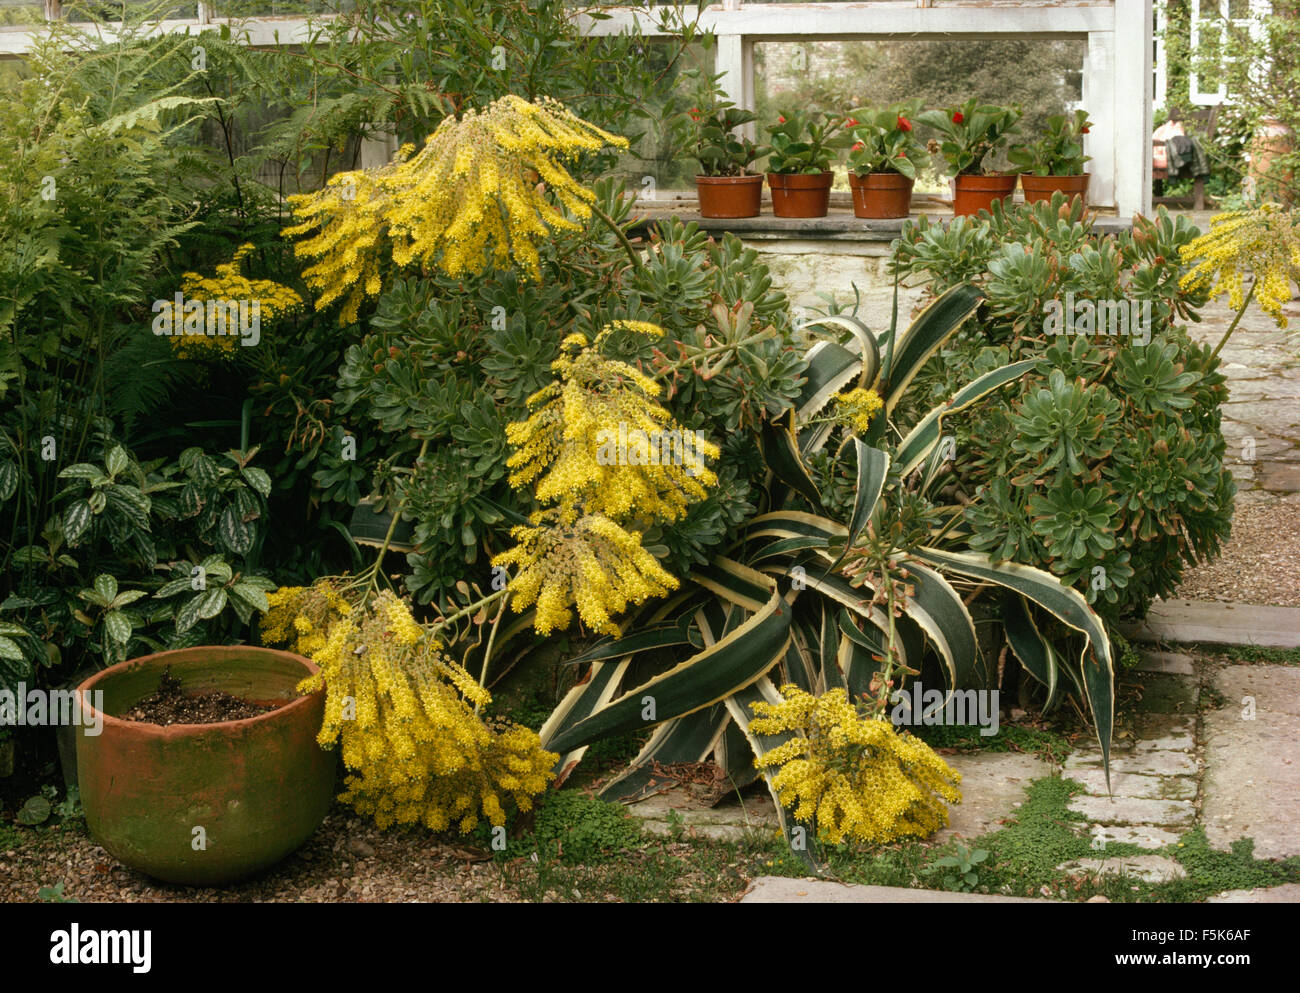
(602, 455)
(856, 408)
(230, 285)
(853, 777)
(1264, 242)
(485, 188)
(590, 562)
(595, 422)
(404, 714)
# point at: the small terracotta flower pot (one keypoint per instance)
(1039, 188)
(204, 804)
(881, 194)
(976, 193)
(795, 195)
(730, 196)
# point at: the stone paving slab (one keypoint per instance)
(1274, 687)
(1252, 781)
(1171, 663)
(993, 784)
(1165, 694)
(1148, 868)
(1218, 623)
(731, 820)
(1172, 731)
(1134, 810)
(1143, 835)
(1134, 784)
(780, 889)
(1156, 763)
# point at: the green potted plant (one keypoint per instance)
(884, 159)
(1054, 162)
(968, 135)
(725, 186)
(799, 166)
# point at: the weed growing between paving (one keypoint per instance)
(1261, 655)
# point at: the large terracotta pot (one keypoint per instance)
(258, 788)
(1266, 177)
(976, 193)
(881, 194)
(797, 195)
(730, 196)
(1042, 187)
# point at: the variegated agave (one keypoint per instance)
(780, 605)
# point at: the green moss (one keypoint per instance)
(577, 828)
(1210, 871)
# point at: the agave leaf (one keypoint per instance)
(938, 609)
(921, 440)
(873, 468)
(865, 340)
(781, 453)
(1069, 607)
(1034, 653)
(662, 635)
(831, 367)
(925, 336)
(586, 698)
(732, 662)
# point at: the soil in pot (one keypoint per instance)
(796, 195)
(1040, 188)
(730, 196)
(172, 706)
(975, 193)
(881, 194)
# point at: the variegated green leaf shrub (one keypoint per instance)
(1107, 467)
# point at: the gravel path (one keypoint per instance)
(1261, 561)
(347, 860)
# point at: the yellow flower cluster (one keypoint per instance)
(591, 562)
(229, 285)
(596, 437)
(403, 714)
(481, 189)
(853, 777)
(855, 409)
(1264, 241)
(605, 455)
(300, 616)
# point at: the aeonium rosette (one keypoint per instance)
(885, 141)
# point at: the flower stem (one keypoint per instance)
(621, 235)
(1235, 321)
(378, 564)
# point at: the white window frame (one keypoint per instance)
(1118, 78)
(1252, 23)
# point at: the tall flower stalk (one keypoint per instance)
(1263, 243)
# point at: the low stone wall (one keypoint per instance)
(811, 258)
